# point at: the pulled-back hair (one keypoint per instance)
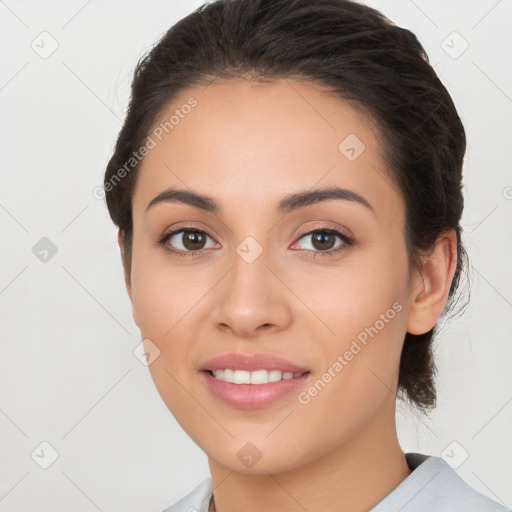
(359, 56)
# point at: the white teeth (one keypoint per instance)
(255, 377)
(274, 375)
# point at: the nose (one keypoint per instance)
(251, 299)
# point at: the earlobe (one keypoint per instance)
(431, 286)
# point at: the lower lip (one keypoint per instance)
(252, 396)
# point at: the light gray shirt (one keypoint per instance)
(433, 486)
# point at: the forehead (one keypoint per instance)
(246, 142)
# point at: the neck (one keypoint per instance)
(353, 477)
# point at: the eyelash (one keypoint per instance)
(162, 241)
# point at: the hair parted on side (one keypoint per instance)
(359, 56)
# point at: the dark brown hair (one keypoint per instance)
(361, 57)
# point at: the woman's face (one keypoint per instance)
(249, 279)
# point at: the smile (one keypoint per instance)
(256, 390)
(254, 377)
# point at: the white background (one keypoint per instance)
(68, 373)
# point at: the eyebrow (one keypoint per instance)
(287, 204)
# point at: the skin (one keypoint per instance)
(249, 145)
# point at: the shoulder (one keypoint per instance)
(195, 501)
(435, 485)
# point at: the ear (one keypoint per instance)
(127, 278)
(120, 241)
(431, 285)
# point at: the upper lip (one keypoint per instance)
(251, 362)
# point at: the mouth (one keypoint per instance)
(252, 390)
(255, 377)
(252, 381)
(240, 362)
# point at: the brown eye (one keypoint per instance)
(185, 241)
(192, 240)
(324, 241)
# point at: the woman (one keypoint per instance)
(287, 187)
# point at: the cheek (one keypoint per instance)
(362, 362)
(163, 305)
(358, 294)
(163, 294)
(169, 303)
(365, 309)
